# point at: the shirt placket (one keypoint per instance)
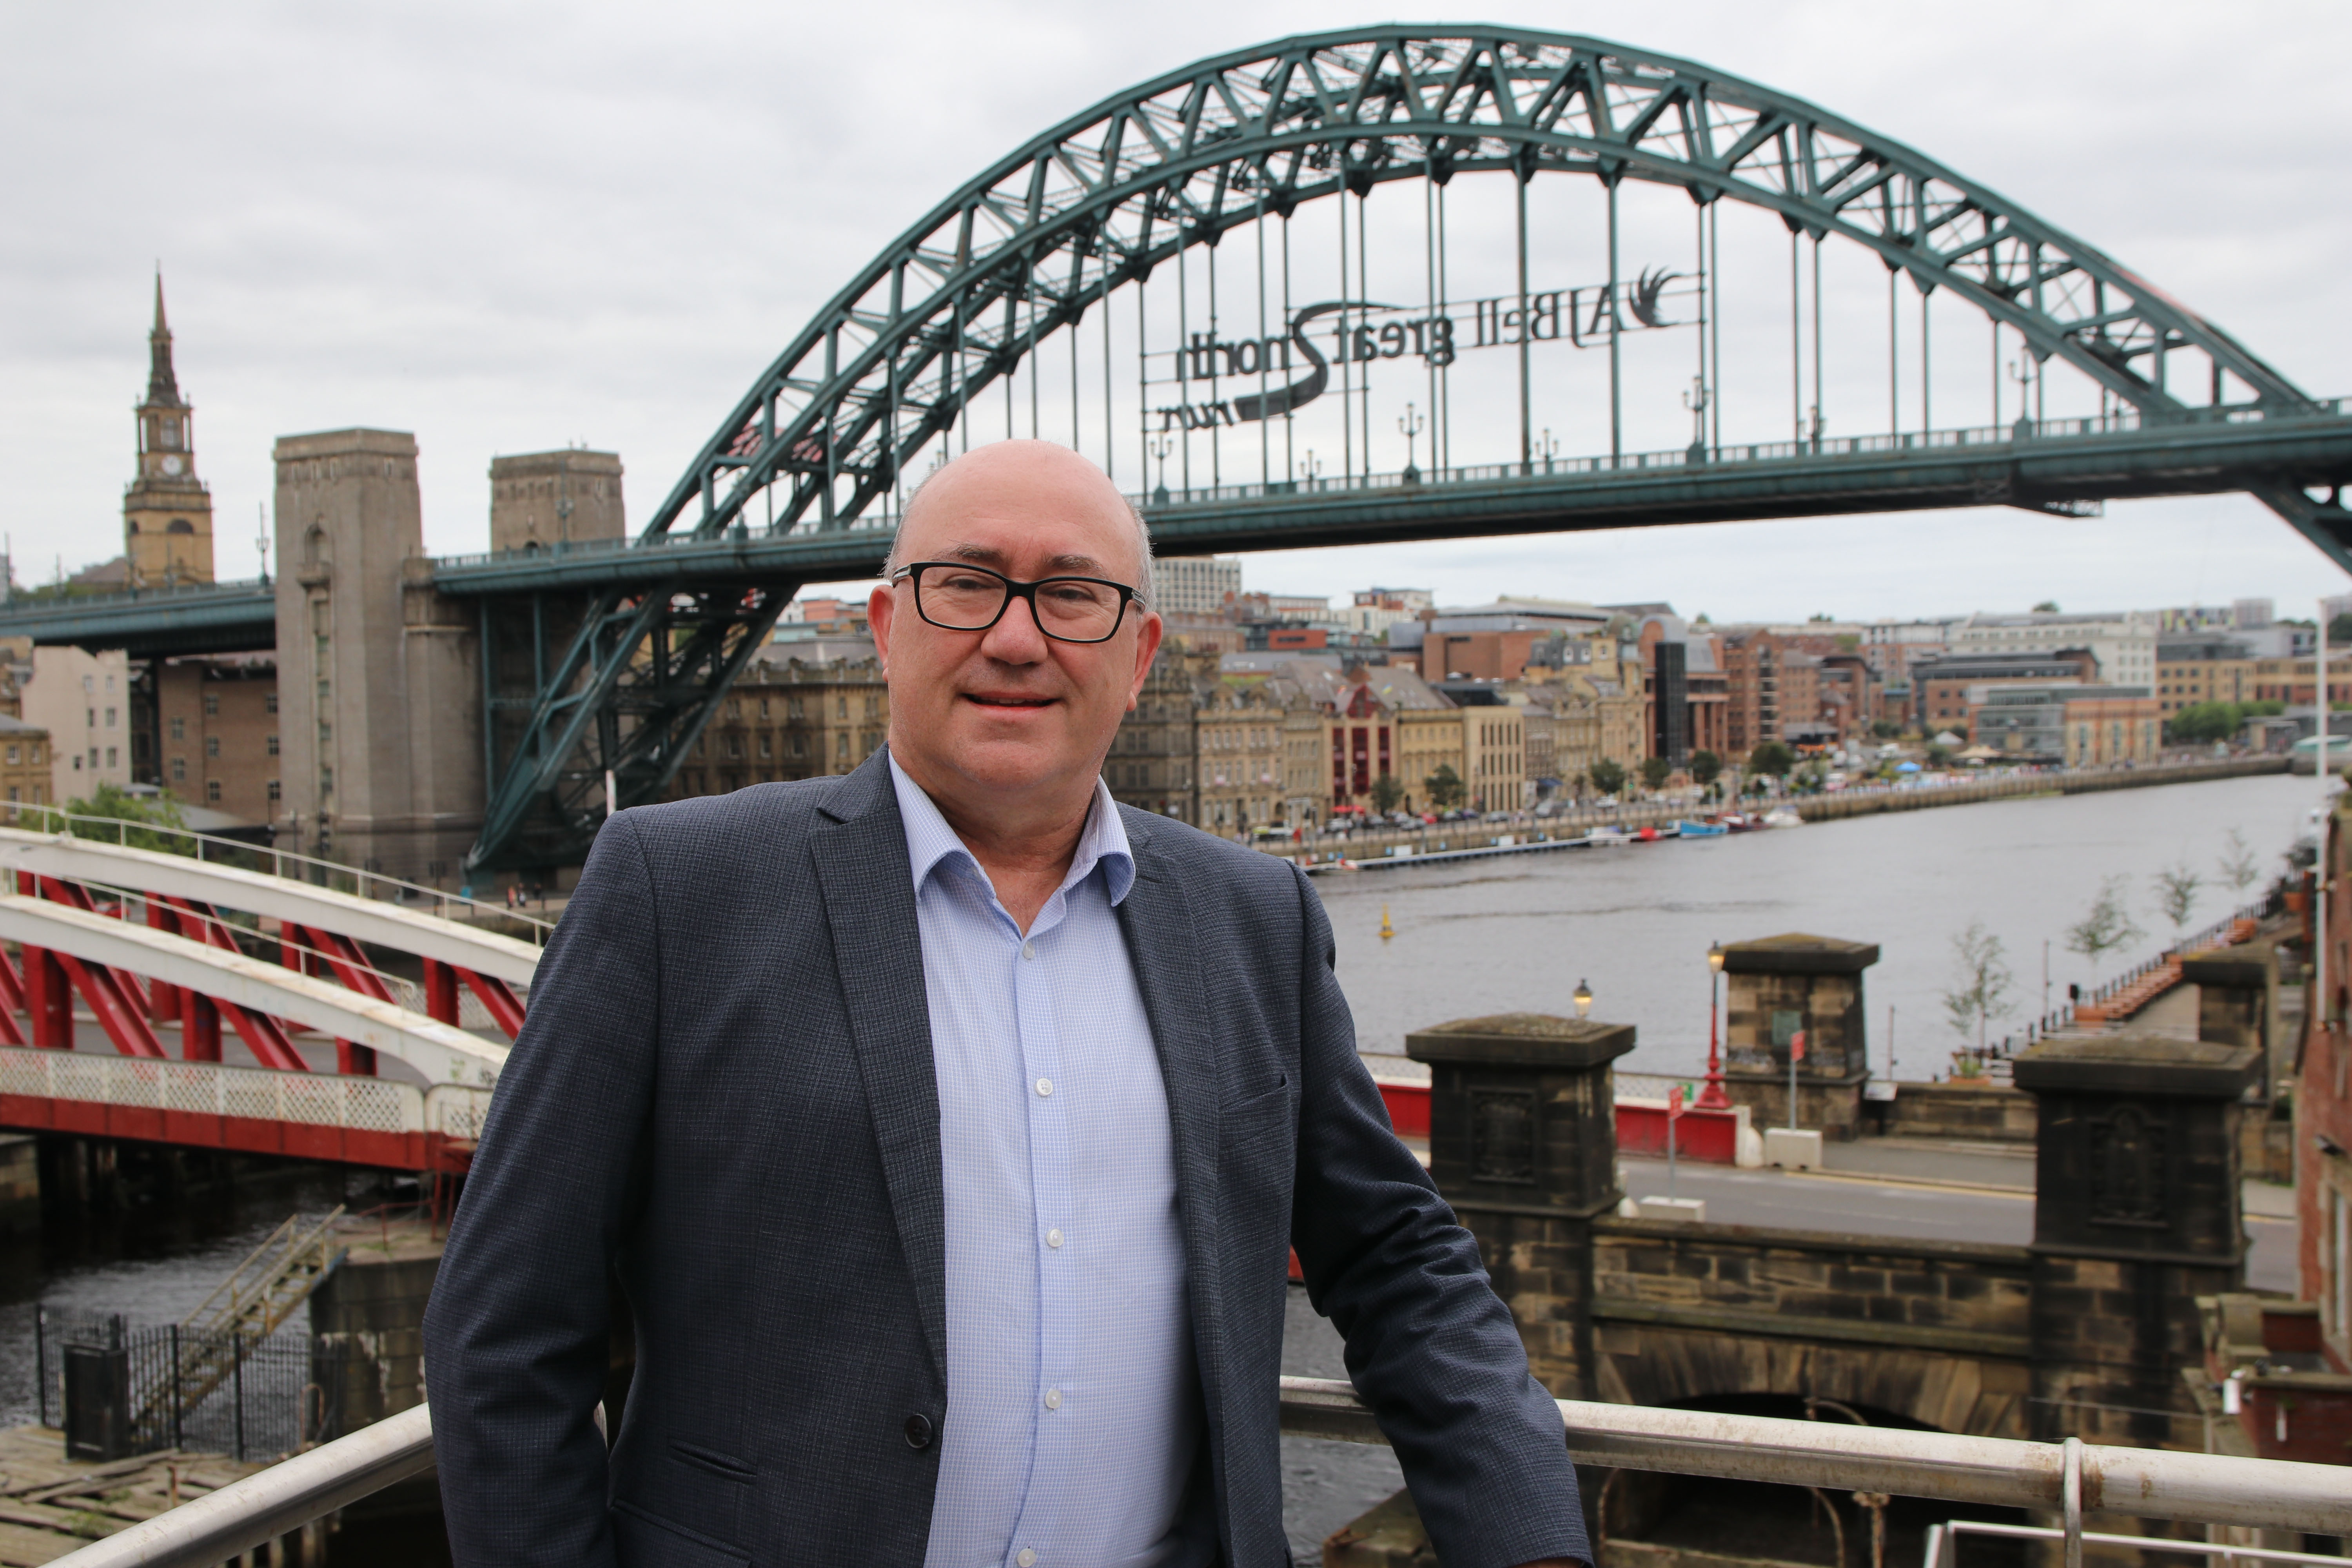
(1046, 1100)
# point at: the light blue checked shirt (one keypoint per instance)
(1071, 1421)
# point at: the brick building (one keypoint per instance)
(1940, 688)
(23, 766)
(215, 733)
(2112, 724)
(2191, 670)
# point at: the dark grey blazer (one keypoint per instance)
(724, 1097)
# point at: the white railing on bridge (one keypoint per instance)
(2142, 1482)
(260, 1094)
(283, 863)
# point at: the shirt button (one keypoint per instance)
(1053, 1399)
(1045, 1087)
(1054, 1238)
(1028, 949)
(1026, 1558)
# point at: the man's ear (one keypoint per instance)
(880, 605)
(1147, 644)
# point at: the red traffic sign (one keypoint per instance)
(1797, 1047)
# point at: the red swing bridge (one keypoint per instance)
(175, 988)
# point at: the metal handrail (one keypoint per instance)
(43, 815)
(1943, 1540)
(2152, 1483)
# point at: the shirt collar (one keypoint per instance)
(1102, 842)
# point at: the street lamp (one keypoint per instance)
(1712, 1096)
(1583, 999)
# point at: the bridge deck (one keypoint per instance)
(2061, 465)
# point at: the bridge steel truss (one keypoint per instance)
(960, 298)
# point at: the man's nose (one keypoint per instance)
(1015, 638)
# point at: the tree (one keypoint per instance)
(1444, 787)
(2239, 867)
(1655, 771)
(1773, 757)
(1706, 768)
(2046, 608)
(2176, 894)
(2340, 633)
(1980, 991)
(1884, 729)
(115, 803)
(1939, 756)
(1608, 777)
(2104, 926)
(1386, 792)
(2203, 722)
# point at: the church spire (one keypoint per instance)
(163, 386)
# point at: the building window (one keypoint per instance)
(12, 753)
(212, 745)
(269, 702)
(842, 750)
(272, 743)
(277, 792)
(179, 729)
(179, 769)
(800, 745)
(212, 790)
(212, 704)
(326, 781)
(111, 753)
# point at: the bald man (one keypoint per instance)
(948, 1127)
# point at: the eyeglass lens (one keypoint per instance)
(969, 598)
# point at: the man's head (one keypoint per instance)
(1007, 725)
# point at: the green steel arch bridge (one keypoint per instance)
(605, 661)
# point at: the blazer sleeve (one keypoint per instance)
(516, 1333)
(1430, 1346)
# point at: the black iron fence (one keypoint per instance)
(118, 1388)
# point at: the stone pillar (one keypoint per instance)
(2136, 1214)
(1776, 987)
(1523, 1143)
(378, 683)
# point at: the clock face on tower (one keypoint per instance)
(171, 464)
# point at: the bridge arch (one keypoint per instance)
(1096, 203)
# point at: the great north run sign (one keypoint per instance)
(1357, 331)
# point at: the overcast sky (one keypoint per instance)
(506, 227)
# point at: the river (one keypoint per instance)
(1517, 932)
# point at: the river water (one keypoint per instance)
(1517, 932)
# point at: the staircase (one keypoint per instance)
(258, 1296)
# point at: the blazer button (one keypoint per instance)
(918, 1431)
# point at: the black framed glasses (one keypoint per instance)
(958, 598)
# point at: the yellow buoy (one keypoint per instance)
(1387, 931)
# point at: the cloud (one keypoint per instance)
(504, 228)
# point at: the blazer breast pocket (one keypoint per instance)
(1256, 1117)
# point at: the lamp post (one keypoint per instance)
(1713, 1097)
(1410, 426)
(1583, 1000)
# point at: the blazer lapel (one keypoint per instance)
(1156, 918)
(869, 899)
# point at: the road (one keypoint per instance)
(1867, 1204)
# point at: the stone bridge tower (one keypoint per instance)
(378, 675)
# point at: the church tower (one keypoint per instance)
(167, 513)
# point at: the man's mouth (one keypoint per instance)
(1015, 701)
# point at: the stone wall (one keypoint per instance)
(372, 1310)
(1934, 1331)
(1974, 1113)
